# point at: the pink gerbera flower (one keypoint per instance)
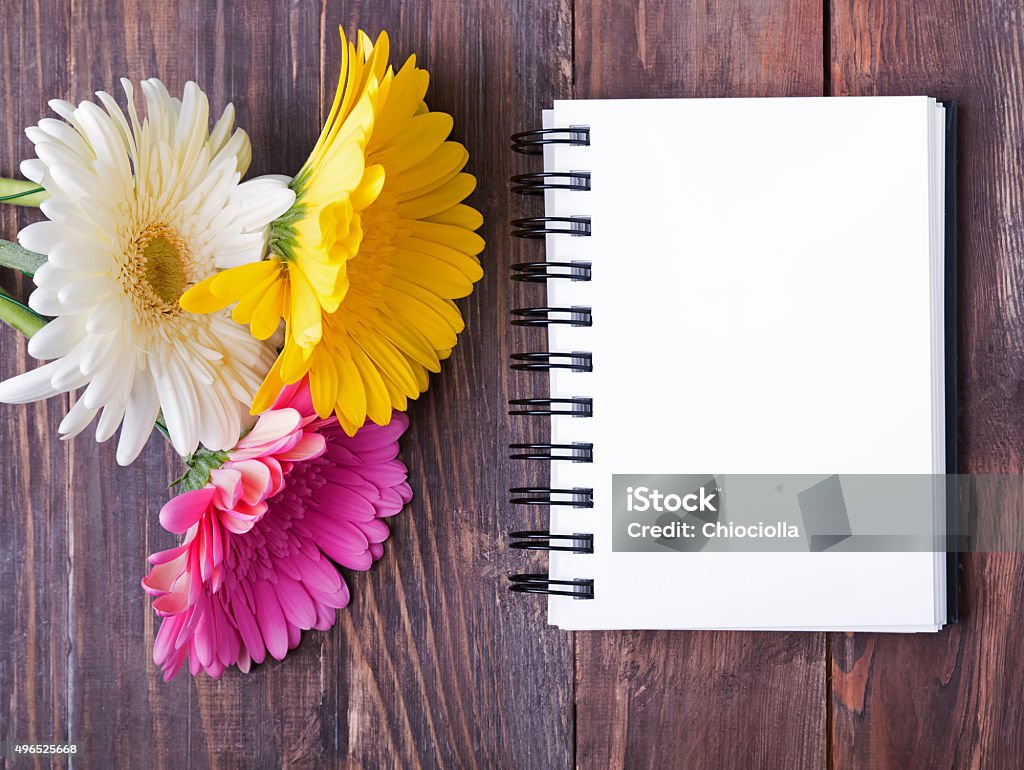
(257, 566)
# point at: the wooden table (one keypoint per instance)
(435, 664)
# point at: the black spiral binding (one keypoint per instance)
(577, 361)
(532, 143)
(570, 407)
(536, 184)
(539, 583)
(541, 540)
(576, 452)
(551, 316)
(540, 272)
(541, 227)
(577, 497)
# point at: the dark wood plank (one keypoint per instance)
(119, 710)
(699, 700)
(34, 531)
(433, 665)
(442, 666)
(663, 48)
(953, 699)
(266, 60)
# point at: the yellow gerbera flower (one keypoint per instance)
(364, 267)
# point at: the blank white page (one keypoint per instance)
(761, 292)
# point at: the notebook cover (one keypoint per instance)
(950, 345)
(952, 406)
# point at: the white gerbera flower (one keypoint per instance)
(138, 212)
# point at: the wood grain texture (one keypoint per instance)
(432, 666)
(711, 48)
(34, 529)
(953, 699)
(452, 659)
(680, 699)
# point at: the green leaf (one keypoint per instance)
(282, 232)
(21, 193)
(13, 255)
(162, 427)
(18, 316)
(200, 463)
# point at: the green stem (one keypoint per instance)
(18, 316)
(13, 255)
(21, 193)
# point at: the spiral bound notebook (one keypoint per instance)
(736, 288)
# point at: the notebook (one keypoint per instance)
(749, 307)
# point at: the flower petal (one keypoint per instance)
(181, 512)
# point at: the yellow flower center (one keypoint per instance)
(159, 266)
(164, 270)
